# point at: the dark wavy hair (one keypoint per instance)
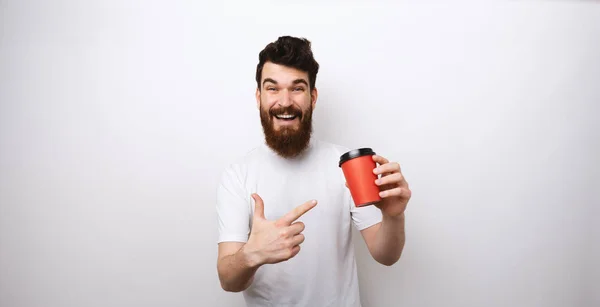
(292, 52)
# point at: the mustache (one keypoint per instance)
(292, 110)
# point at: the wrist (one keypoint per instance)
(393, 218)
(251, 259)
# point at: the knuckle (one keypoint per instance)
(291, 243)
(287, 244)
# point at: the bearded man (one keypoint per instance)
(289, 192)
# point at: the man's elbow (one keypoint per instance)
(388, 261)
(230, 288)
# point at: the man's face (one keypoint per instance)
(286, 103)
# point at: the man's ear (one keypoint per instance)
(314, 93)
(257, 94)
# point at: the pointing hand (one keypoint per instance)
(275, 241)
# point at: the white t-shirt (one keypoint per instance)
(324, 272)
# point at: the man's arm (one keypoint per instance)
(385, 240)
(236, 269)
(269, 242)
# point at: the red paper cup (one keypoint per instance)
(358, 166)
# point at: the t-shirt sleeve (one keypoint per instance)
(233, 208)
(363, 217)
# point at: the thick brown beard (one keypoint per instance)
(287, 142)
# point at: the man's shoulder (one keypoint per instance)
(240, 162)
(326, 147)
(248, 156)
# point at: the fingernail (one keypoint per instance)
(377, 181)
(314, 201)
(382, 194)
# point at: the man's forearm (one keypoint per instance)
(236, 272)
(389, 240)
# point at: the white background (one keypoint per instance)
(117, 118)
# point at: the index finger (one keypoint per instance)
(379, 159)
(297, 212)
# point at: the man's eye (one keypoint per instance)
(270, 88)
(299, 89)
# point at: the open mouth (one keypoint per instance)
(286, 117)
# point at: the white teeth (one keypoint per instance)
(285, 116)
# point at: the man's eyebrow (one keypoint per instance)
(297, 81)
(269, 80)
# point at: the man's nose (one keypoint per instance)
(285, 98)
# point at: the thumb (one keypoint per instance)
(259, 207)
